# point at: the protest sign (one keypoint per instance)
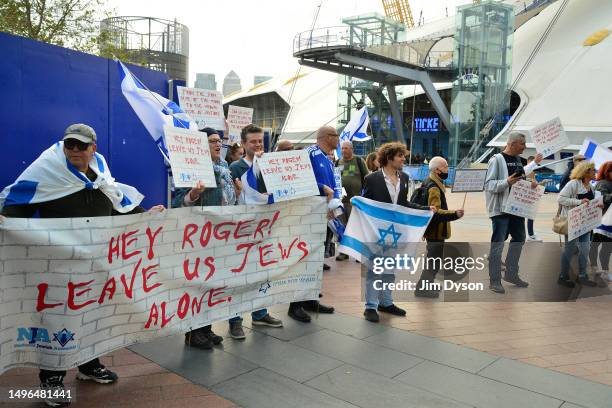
(549, 137)
(205, 106)
(74, 289)
(338, 178)
(189, 157)
(237, 118)
(582, 219)
(469, 180)
(288, 175)
(523, 200)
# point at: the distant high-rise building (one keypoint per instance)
(258, 79)
(206, 81)
(231, 83)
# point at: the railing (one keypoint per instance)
(321, 38)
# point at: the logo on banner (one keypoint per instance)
(390, 231)
(38, 337)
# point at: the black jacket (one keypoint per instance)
(376, 189)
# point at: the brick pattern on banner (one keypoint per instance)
(75, 289)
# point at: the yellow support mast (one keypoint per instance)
(399, 10)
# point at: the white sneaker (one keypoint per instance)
(534, 238)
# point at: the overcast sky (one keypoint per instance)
(256, 37)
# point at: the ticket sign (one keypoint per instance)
(523, 200)
(237, 118)
(469, 180)
(189, 157)
(288, 175)
(205, 106)
(582, 219)
(549, 137)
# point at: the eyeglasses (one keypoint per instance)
(70, 144)
(215, 141)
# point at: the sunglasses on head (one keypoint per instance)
(70, 144)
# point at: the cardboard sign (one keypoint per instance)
(523, 200)
(237, 118)
(288, 175)
(582, 219)
(77, 288)
(549, 137)
(189, 157)
(205, 106)
(469, 180)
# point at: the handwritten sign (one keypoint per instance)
(205, 106)
(237, 118)
(77, 289)
(338, 178)
(549, 137)
(288, 175)
(189, 157)
(582, 219)
(469, 180)
(523, 200)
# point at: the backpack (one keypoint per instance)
(421, 195)
(363, 170)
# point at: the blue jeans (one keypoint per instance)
(256, 315)
(503, 226)
(374, 297)
(583, 243)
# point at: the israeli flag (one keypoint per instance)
(606, 225)
(51, 176)
(250, 194)
(153, 110)
(377, 229)
(356, 129)
(596, 153)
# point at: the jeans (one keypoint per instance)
(256, 315)
(604, 255)
(86, 368)
(504, 225)
(530, 227)
(375, 297)
(583, 242)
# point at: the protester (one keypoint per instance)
(224, 194)
(252, 141)
(504, 170)
(531, 236)
(570, 166)
(577, 191)
(234, 153)
(387, 185)
(439, 228)
(354, 171)
(327, 141)
(602, 236)
(69, 180)
(284, 145)
(372, 162)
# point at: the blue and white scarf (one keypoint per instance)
(227, 184)
(51, 176)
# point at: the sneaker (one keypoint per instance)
(516, 281)
(236, 330)
(432, 294)
(585, 281)
(371, 315)
(326, 267)
(566, 282)
(317, 307)
(215, 338)
(497, 287)
(392, 309)
(54, 386)
(268, 320)
(342, 257)
(101, 375)
(299, 314)
(534, 238)
(198, 339)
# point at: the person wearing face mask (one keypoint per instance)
(439, 228)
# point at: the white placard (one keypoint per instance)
(237, 118)
(523, 200)
(549, 137)
(338, 177)
(205, 106)
(583, 218)
(288, 175)
(469, 180)
(76, 289)
(189, 157)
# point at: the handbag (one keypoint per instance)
(559, 223)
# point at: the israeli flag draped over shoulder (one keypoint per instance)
(596, 153)
(250, 194)
(356, 129)
(51, 176)
(378, 229)
(153, 110)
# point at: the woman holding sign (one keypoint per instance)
(577, 191)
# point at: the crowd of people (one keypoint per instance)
(379, 177)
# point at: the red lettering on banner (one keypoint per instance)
(113, 246)
(205, 234)
(128, 289)
(146, 275)
(241, 225)
(217, 292)
(262, 224)
(248, 246)
(263, 253)
(183, 306)
(110, 286)
(285, 253)
(274, 218)
(72, 294)
(210, 262)
(194, 274)
(165, 320)
(224, 234)
(189, 230)
(302, 246)
(40, 302)
(150, 253)
(153, 316)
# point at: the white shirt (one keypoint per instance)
(393, 188)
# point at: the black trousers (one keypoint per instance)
(88, 367)
(606, 249)
(435, 253)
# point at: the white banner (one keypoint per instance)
(205, 106)
(469, 180)
(189, 157)
(523, 200)
(77, 288)
(582, 219)
(549, 137)
(237, 118)
(288, 175)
